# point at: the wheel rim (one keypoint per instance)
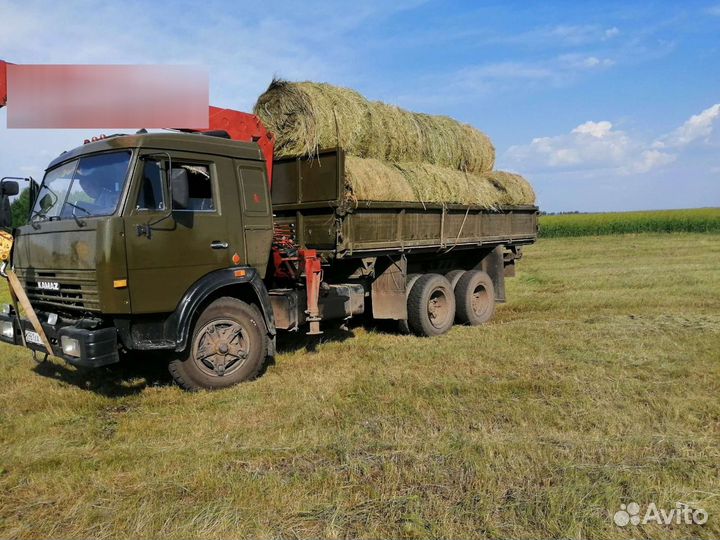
(480, 299)
(220, 347)
(439, 308)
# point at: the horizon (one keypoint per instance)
(543, 212)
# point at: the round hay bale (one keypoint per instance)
(372, 180)
(368, 179)
(306, 117)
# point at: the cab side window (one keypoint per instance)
(254, 190)
(200, 187)
(151, 196)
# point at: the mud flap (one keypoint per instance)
(388, 289)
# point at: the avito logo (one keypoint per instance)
(682, 514)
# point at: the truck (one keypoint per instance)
(201, 244)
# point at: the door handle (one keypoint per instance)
(217, 244)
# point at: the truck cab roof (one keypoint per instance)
(171, 141)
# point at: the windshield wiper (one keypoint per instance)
(78, 207)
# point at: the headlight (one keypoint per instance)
(70, 346)
(7, 330)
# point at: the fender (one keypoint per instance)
(180, 321)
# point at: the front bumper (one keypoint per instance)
(97, 347)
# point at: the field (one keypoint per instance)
(596, 385)
(695, 220)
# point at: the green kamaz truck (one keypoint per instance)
(202, 245)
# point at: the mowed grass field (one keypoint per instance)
(597, 384)
(693, 220)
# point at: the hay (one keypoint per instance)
(391, 154)
(372, 180)
(306, 117)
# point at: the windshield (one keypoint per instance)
(89, 186)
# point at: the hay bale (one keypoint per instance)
(515, 189)
(306, 116)
(373, 180)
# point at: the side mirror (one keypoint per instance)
(47, 202)
(180, 189)
(9, 188)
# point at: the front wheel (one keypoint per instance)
(228, 346)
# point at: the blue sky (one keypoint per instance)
(603, 106)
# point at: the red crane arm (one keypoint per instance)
(244, 127)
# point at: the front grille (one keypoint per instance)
(77, 289)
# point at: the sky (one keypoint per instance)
(603, 106)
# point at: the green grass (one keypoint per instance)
(700, 220)
(597, 384)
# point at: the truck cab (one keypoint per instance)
(130, 234)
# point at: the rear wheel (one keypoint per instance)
(228, 346)
(475, 298)
(409, 282)
(453, 276)
(431, 306)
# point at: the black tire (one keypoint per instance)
(475, 298)
(431, 306)
(453, 276)
(236, 332)
(409, 282)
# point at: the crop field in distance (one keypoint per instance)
(596, 385)
(700, 220)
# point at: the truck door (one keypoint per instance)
(256, 213)
(170, 248)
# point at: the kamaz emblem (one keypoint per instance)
(49, 285)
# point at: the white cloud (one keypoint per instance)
(589, 62)
(698, 126)
(579, 34)
(596, 129)
(558, 70)
(599, 146)
(591, 145)
(648, 160)
(560, 35)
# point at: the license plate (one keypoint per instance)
(33, 337)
